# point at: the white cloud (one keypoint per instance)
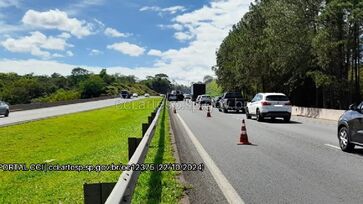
(95, 52)
(70, 53)
(127, 48)
(36, 44)
(154, 52)
(64, 35)
(9, 3)
(111, 32)
(56, 19)
(205, 29)
(174, 26)
(170, 10)
(182, 36)
(56, 55)
(79, 6)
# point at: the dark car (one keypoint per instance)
(125, 94)
(231, 101)
(175, 96)
(4, 109)
(350, 128)
(215, 101)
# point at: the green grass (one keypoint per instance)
(93, 137)
(159, 187)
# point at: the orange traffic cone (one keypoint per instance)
(243, 140)
(208, 113)
(174, 110)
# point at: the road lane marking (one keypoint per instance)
(333, 146)
(227, 189)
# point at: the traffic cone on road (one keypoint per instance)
(174, 110)
(243, 140)
(208, 113)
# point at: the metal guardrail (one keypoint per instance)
(124, 188)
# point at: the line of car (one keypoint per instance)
(263, 105)
(278, 105)
(125, 94)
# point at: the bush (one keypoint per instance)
(59, 95)
(92, 87)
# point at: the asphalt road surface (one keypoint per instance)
(296, 162)
(36, 114)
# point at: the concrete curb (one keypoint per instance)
(317, 113)
(185, 198)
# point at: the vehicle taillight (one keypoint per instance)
(264, 103)
(288, 103)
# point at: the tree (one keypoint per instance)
(92, 87)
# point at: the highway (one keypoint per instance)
(37, 114)
(296, 162)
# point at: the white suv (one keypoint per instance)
(273, 105)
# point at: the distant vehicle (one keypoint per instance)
(135, 95)
(231, 101)
(204, 99)
(196, 90)
(273, 105)
(187, 96)
(215, 101)
(197, 100)
(175, 96)
(4, 109)
(125, 94)
(350, 128)
(147, 95)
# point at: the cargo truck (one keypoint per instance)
(196, 90)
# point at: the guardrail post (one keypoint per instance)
(133, 143)
(144, 128)
(97, 193)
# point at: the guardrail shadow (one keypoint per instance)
(155, 182)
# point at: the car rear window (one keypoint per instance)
(276, 98)
(205, 96)
(233, 95)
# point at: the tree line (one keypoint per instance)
(81, 83)
(308, 49)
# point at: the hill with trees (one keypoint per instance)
(17, 89)
(308, 49)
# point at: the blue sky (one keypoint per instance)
(136, 37)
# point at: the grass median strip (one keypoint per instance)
(159, 186)
(87, 138)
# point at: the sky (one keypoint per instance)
(130, 37)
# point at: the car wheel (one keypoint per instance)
(7, 113)
(258, 116)
(344, 141)
(287, 119)
(220, 110)
(247, 114)
(225, 110)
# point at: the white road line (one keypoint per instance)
(227, 189)
(333, 146)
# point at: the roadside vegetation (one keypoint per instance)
(310, 50)
(164, 186)
(213, 89)
(93, 137)
(81, 83)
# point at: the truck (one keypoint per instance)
(196, 90)
(231, 101)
